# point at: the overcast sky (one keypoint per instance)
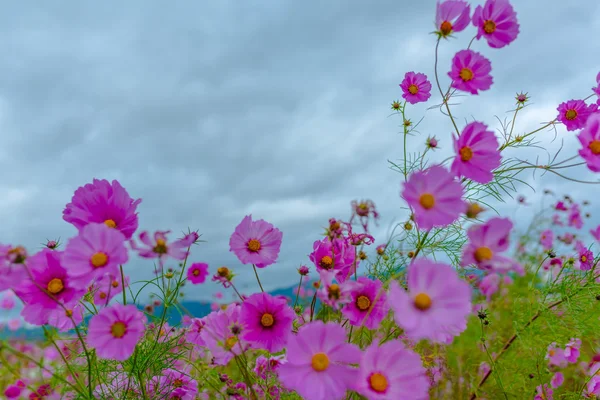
(209, 111)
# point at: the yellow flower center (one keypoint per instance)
(267, 320)
(363, 303)
(99, 260)
(571, 114)
(378, 382)
(102, 295)
(55, 286)
(413, 89)
(110, 223)
(196, 272)
(422, 301)
(466, 74)
(178, 383)
(595, 147)
(118, 329)
(446, 28)
(551, 353)
(161, 246)
(489, 26)
(483, 254)
(334, 291)
(466, 153)
(320, 362)
(427, 201)
(254, 245)
(223, 272)
(19, 254)
(583, 258)
(230, 342)
(69, 313)
(115, 284)
(326, 262)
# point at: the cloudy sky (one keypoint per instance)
(209, 111)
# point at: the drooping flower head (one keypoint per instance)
(391, 371)
(115, 331)
(197, 273)
(49, 285)
(470, 72)
(267, 321)
(318, 362)
(256, 242)
(415, 87)
(435, 197)
(12, 270)
(103, 202)
(486, 242)
(334, 255)
(452, 16)
(97, 250)
(575, 113)
(159, 247)
(497, 22)
(589, 137)
(547, 239)
(365, 308)
(477, 153)
(436, 305)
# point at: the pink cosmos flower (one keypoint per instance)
(589, 137)
(65, 320)
(194, 331)
(477, 153)
(572, 350)
(470, 72)
(175, 384)
(556, 220)
(49, 285)
(267, 321)
(575, 219)
(222, 334)
(486, 241)
(596, 233)
(557, 380)
(364, 302)
(489, 285)
(96, 251)
(560, 206)
(586, 257)
(319, 354)
(435, 196)
(575, 113)
(544, 392)
(556, 356)
(159, 247)
(391, 371)
(415, 87)
(452, 16)
(597, 88)
(332, 292)
(437, 302)
(267, 366)
(197, 273)
(256, 242)
(106, 288)
(8, 300)
(547, 239)
(12, 270)
(115, 331)
(497, 22)
(337, 255)
(103, 202)
(593, 386)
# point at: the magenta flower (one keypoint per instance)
(544, 392)
(596, 233)
(115, 331)
(586, 257)
(221, 332)
(557, 380)
(470, 72)
(415, 87)
(103, 202)
(364, 302)
(556, 356)
(597, 88)
(497, 22)
(159, 247)
(486, 242)
(452, 16)
(547, 239)
(572, 350)
(391, 371)
(589, 137)
(106, 288)
(256, 242)
(575, 219)
(66, 320)
(560, 206)
(267, 321)
(318, 362)
(96, 251)
(477, 153)
(197, 273)
(49, 285)
(338, 255)
(575, 113)
(12, 270)
(194, 331)
(435, 197)
(332, 292)
(173, 384)
(437, 302)
(489, 285)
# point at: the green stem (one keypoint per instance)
(257, 278)
(123, 285)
